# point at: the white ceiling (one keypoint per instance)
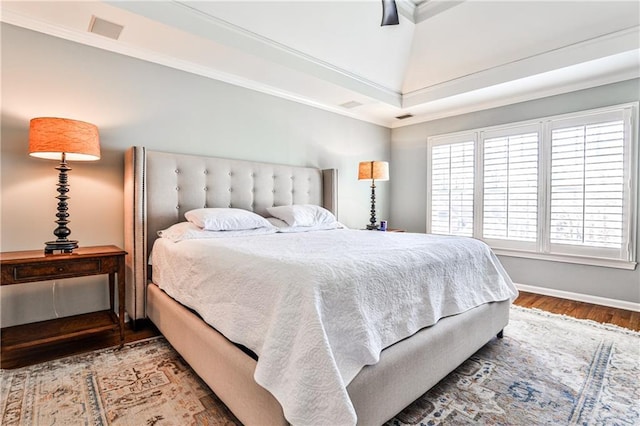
(446, 57)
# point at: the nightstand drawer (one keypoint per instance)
(56, 270)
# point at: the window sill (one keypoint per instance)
(580, 260)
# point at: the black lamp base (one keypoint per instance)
(62, 246)
(372, 221)
(62, 243)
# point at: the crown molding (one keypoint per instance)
(93, 40)
(614, 43)
(190, 19)
(407, 8)
(431, 8)
(467, 106)
(454, 97)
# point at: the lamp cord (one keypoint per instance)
(53, 296)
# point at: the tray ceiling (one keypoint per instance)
(444, 58)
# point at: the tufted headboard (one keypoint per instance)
(160, 187)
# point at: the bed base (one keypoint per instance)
(406, 370)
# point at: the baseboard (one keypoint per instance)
(587, 298)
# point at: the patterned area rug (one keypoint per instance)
(548, 369)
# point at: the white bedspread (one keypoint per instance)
(316, 307)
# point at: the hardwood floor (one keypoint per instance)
(620, 317)
(604, 314)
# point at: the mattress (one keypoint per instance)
(316, 307)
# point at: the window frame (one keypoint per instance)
(624, 258)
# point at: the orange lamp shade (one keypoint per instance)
(376, 170)
(50, 137)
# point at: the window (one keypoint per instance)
(452, 188)
(587, 190)
(510, 185)
(560, 188)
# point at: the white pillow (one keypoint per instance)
(302, 214)
(226, 219)
(189, 231)
(282, 226)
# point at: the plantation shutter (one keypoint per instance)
(452, 180)
(560, 188)
(510, 186)
(587, 184)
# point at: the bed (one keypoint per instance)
(161, 187)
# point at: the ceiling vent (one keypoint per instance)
(402, 117)
(105, 28)
(350, 104)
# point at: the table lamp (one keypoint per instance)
(374, 170)
(65, 140)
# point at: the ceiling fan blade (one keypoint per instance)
(389, 13)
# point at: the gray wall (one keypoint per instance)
(409, 174)
(139, 103)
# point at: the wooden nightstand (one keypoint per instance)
(21, 267)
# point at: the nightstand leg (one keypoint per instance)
(121, 291)
(112, 292)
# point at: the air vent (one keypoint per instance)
(350, 104)
(402, 117)
(105, 28)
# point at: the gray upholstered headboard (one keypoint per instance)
(160, 187)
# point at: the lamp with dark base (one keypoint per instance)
(374, 170)
(64, 139)
(373, 223)
(62, 243)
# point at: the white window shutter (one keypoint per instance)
(587, 185)
(561, 188)
(510, 187)
(452, 180)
